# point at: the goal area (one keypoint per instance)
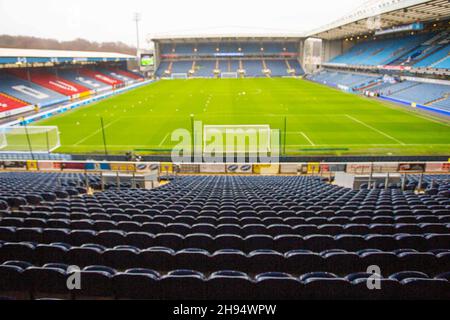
(29, 138)
(238, 139)
(229, 75)
(179, 76)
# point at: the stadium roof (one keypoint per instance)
(7, 52)
(54, 55)
(227, 34)
(383, 14)
(226, 37)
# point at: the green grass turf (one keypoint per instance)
(320, 120)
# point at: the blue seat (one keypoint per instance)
(137, 284)
(221, 285)
(192, 282)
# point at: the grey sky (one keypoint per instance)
(111, 20)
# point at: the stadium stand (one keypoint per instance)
(101, 77)
(253, 68)
(119, 76)
(286, 237)
(127, 74)
(205, 68)
(181, 67)
(257, 58)
(76, 77)
(29, 92)
(429, 55)
(52, 82)
(8, 103)
(426, 94)
(380, 52)
(334, 78)
(422, 93)
(277, 68)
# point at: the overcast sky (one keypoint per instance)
(112, 20)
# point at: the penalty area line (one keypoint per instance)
(375, 129)
(163, 140)
(307, 138)
(95, 133)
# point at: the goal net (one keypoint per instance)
(29, 138)
(179, 75)
(238, 139)
(229, 75)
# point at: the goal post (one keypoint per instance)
(229, 75)
(180, 76)
(24, 138)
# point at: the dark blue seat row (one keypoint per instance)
(24, 280)
(163, 258)
(281, 243)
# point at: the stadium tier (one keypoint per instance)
(128, 74)
(52, 82)
(246, 58)
(116, 75)
(83, 80)
(23, 89)
(243, 46)
(9, 103)
(422, 50)
(429, 94)
(101, 77)
(284, 237)
(29, 92)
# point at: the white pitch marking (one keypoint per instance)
(307, 138)
(95, 132)
(163, 140)
(375, 129)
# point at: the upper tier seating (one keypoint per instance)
(436, 60)
(444, 64)
(380, 52)
(229, 47)
(29, 92)
(285, 237)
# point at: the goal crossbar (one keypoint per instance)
(29, 138)
(229, 75)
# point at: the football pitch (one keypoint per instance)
(319, 120)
